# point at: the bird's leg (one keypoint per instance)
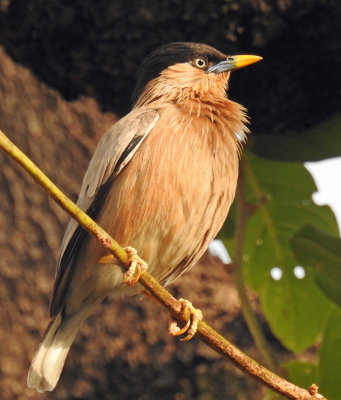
(136, 269)
(191, 325)
(107, 259)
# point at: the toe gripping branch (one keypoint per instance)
(191, 326)
(131, 277)
(136, 269)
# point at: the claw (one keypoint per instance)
(191, 326)
(174, 330)
(136, 269)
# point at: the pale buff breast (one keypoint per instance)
(169, 202)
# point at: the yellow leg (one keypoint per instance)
(107, 259)
(191, 326)
(136, 269)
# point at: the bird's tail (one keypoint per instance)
(49, 360)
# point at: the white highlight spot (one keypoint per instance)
(218, 249)
(326, 177)
(299, 272)
(240, 136)
(276, 273)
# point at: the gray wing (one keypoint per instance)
(114, 151)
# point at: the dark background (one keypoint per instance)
(56, 54)
(87, 47)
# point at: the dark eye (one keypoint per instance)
(200, 63)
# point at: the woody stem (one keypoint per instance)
(205, 332)
(242, 215)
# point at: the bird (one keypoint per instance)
(161, 181)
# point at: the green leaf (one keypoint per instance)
(271, 395)
(323, 252)
(300, 373)
(289, 305)
(329, 369)
(320, 142)
(283, 192)
(227, 231)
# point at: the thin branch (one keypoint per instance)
(205, 332)
(242, 215)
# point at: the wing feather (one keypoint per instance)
(113, 153)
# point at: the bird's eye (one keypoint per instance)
(200, 63)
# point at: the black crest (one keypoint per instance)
(170, 54)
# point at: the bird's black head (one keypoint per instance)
(200, 55)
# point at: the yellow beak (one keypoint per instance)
(244, 60)
(234, 62)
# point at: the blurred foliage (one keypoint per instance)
(316, 249)
(317, 143)
(287, 230)
(329, 367)
(302, 373)
(281, 193)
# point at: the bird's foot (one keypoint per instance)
(107, 259)
(191, 326)
(136, 269)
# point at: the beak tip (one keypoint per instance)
(245, 60)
